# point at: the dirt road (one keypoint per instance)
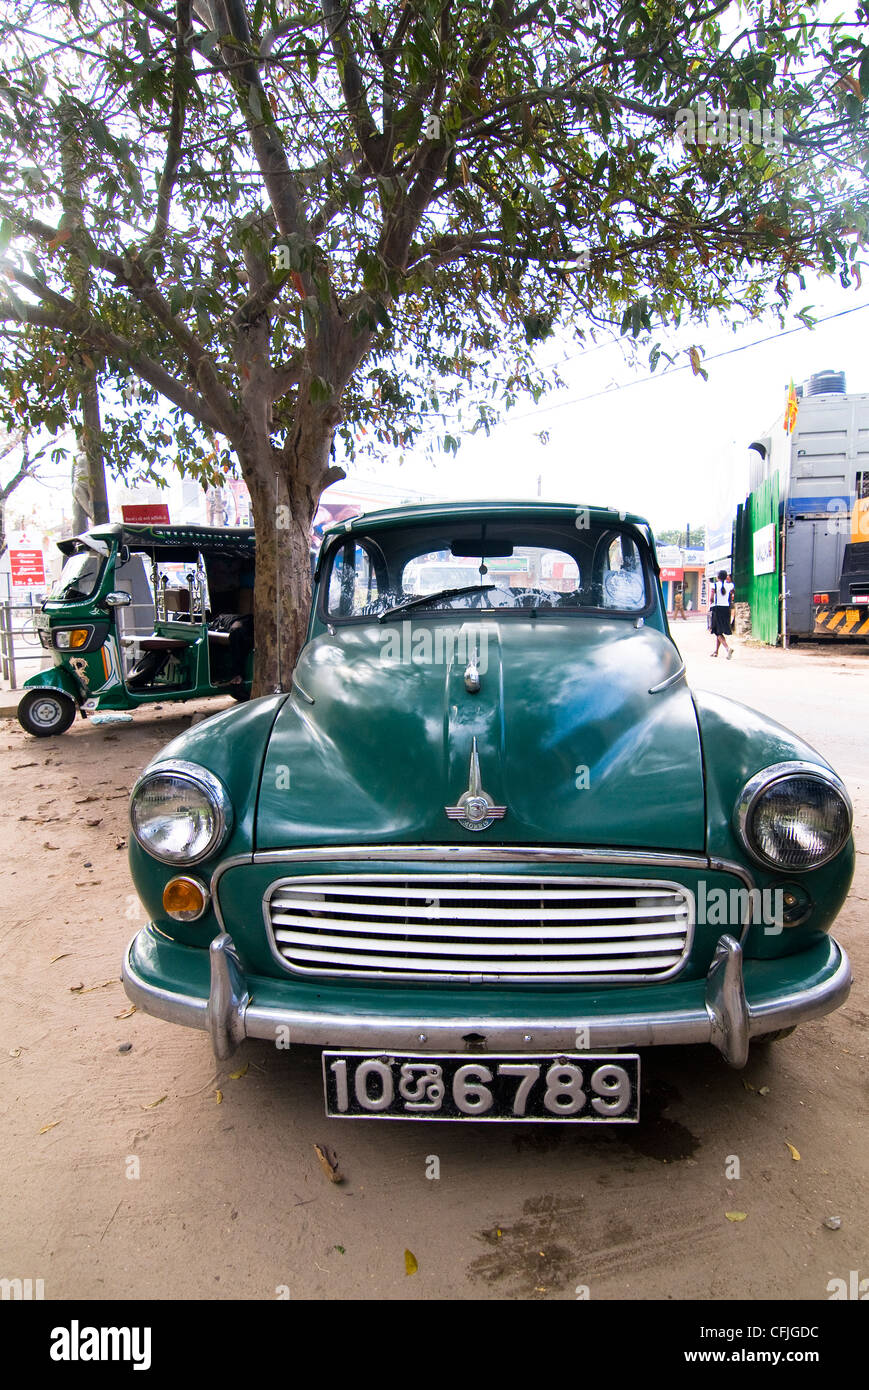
(230, 1200)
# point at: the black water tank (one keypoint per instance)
(826, 384)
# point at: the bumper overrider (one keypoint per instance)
(738, 1000)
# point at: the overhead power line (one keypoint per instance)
(685, 366)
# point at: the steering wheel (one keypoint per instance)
(536, 598)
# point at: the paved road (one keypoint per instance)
(230, 1199)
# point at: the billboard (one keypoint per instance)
(764, 549)
(27, 569)
(145, 514)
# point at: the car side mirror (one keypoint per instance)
(118, 600)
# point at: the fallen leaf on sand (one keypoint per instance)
(329, 1163)
(764, 1091)
(46, 1128)
(218, 1096)
(410, 1262)
(125, 1013)
(154, 1103)
(86, 989)
(237, 1075)
(795, 1153)
(15, 1052)
(63, 955)
(747, 1084)
(735, 1215)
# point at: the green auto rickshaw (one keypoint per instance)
(142, 614)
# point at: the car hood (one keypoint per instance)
(376, 739)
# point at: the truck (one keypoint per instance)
(816, 540)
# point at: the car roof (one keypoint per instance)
(535, 510)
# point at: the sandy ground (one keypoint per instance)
(230, 1200)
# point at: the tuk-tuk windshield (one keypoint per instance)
(78, 578)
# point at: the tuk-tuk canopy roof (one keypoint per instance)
(170, 542)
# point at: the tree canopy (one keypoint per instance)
(297, 221)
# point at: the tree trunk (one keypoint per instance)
(80, 495)
(282, 591)
(92, 444)
(90, 434)
(285, 486)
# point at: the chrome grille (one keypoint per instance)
(480, 927)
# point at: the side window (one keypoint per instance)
(353, 584)
(621, 583)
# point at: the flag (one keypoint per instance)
(791, 409)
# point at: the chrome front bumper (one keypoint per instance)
(727, 1019)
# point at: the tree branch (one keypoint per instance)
(70, 320)
(270, 154)
(375, 146)
(181, 76)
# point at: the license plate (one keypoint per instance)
(583, 1089)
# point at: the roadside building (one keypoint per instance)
(683, 570)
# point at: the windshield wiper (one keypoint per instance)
(434, 598)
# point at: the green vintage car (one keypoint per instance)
(489, 845)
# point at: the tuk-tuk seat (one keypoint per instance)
(156, 643)
(176, 600)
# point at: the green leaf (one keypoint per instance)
(320, 390)
(379, 312)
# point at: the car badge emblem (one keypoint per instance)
(472, 674)
(475, 809)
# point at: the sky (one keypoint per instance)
(673, 448)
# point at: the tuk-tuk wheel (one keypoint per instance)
(46, 712)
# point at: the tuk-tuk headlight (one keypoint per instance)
(793, 816)
(71, 637)
(180, 813)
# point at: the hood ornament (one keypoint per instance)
(472, 674)
(475, 809)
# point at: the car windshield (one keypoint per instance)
(519, 566)
(78, 578)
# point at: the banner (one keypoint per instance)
(764, 549)
(27, 569)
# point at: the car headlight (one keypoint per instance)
(793, 816)
(180, 813)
